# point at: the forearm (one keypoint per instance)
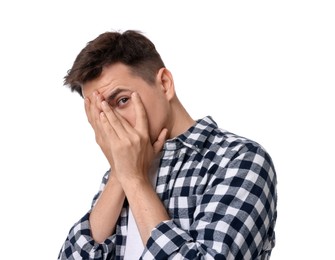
(106, 212)
(147, 208)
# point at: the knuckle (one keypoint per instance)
(137, 139)
(128, 143)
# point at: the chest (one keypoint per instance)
(182, 180)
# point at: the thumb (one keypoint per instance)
(158, 145)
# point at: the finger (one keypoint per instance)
(96, 108)
(93, 116)
(141, 115)
(90, 112)
(158, 145)
(98, 98)
(126, 125)
(116, 122)
(87, 104)
(108, 131)
(91, 109)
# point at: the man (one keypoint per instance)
(176, 188)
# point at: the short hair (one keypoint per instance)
(131, 48)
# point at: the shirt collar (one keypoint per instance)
(194, 137)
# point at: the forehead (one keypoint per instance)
(111, 77)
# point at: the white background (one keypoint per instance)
(262, 69)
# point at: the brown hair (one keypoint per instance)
(130, 48)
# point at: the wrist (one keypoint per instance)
(113, 183)
(135, 185)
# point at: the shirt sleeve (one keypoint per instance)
(233, 219)
(79, 243)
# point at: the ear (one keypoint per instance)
(165, 81)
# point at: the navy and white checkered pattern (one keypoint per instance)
(220, 192)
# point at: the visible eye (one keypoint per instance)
(122, 101)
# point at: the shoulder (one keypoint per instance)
(223, 140)
(227, 147)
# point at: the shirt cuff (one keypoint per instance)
(166, 239)
(83, 244)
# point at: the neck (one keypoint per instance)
(181, 120)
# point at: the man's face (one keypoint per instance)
(116, 84)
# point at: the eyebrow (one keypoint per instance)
(110, 98)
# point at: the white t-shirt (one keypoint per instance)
(134, 244)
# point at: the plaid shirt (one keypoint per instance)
(220, 192)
